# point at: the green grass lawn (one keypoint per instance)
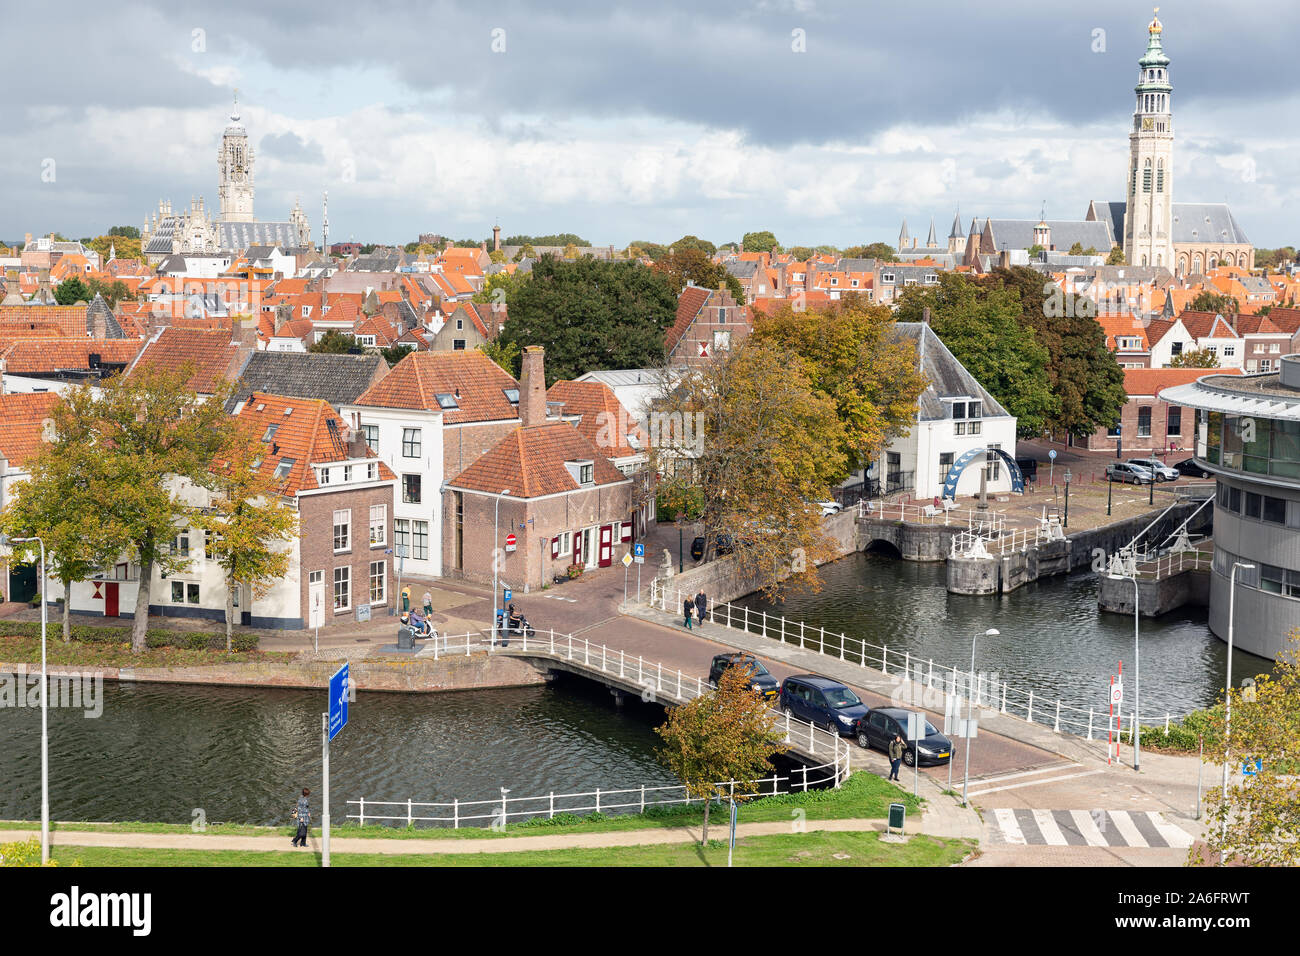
(822, 848)
(863, 796)
(27, 650)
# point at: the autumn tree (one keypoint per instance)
(147, 430)
(751, 440)
(61, 503)
(724, 735)
(113, 290)
(1116, 256)
(505, 353)
(248, 521)
(1259, 729)
(1195, 358)
(693, 264)
(498, 286)
(853, 355)
(1210, 301)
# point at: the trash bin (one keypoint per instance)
(897, 815)
(406, 599)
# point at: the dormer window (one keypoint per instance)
(583, 472)
(446, 400)
(323, 476)
(512, 395)
(270, 432)
(284, 467)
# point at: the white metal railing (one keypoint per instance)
(1173, 563)
(947, 514)
(1089, 722)
(498, 811)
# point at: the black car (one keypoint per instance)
(824, 702)
(697, 549)
(1190, 469)
(760, 680)
(883, 723)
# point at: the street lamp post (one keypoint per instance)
(1137, 674)
(1227, 693)
(991, 632)
(1068, 476)
(496, 561)
(5, 540)
(1110, 483)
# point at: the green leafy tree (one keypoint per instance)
(61, 503)
(652, 249)
(695, 265)
(1195, 358)
(802, 253)
(982, 328)
(128, 232)
(875, 250)
(1035, 251)
(591, 314)
(1076, 249)
(1116, 256)
(1257, 824)
(334, 342)
(505, 353)
(556, 239)
(71, 291)
(146, 430)
(248, 521)
(852, 354)
(1082, 372)
(694, 242)
(750, 437)
(763, 241)
(496, 290)
(1216, 302)
(113, 291)
(395, 353)
(525, 252)
(723, 735)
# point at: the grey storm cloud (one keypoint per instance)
(291, 148)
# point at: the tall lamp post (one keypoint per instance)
(991, 632)
(1227, 692)
(5, 541)
(496, 561)
(1137, 673)
(1068, 476)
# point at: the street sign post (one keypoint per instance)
(731, 846)
(1051, 468)
(332, 721)
(916, 733)
(638, 555)
(627, 563)
(511, 542)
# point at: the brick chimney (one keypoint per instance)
(532, 386)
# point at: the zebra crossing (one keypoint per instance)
(1133, 828)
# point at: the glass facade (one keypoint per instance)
(1252, 445)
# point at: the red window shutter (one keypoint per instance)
(555, 547)
(627, 531)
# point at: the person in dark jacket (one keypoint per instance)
(701, 606)
(688, 606)
(896, 748)
(303, 815)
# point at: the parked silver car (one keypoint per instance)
(1124, 471)
(1157, 467)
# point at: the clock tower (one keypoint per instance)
(235, 169)
(1148, 235)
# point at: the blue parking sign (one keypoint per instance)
(506, 595)
(338, 713)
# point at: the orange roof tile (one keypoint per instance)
(1149, 381)
(22, 424)
(531, 463)
(475, 382)
(603, 420)
(211, 355)
(47, 356)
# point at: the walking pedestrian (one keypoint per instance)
(896, 748)
(428, 605)
(687, 607)
(303, 815)
(701, 606)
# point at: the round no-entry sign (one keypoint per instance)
(510, 542)
(1117, 694)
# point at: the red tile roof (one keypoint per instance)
(303, 436)
(47, 356)
(531, 463)
(211, 355)
(474, 380)
(689, 303)
(45, 320)
(604, 421)
(22, 424)
(1149, 381)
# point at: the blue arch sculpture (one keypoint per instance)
(958, 466)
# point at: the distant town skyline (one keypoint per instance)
(805, 119)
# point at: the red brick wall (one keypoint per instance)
(463, 444)
(541, 520)
(687, 349)
(316, 516)
(1158, 441)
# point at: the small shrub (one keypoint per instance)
(23, 853)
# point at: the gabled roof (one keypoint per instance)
(1125, 325)
(947, 377)
(311, 433)
(473, 381)
(689, 303)
(212, 355)
(22, 424)
(50, 356)
(602, 419)
(531, 463)
(1206, 325)
(336, 379)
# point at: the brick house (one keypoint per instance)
(338, 559)
(467, 326)
(560, 498)
(1148, 425)
(429, 418)
(709, 322)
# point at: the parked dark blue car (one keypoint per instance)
(825, 702)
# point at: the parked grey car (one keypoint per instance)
(1157, 467)
(1123, 471)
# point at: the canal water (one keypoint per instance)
(161, 752)
(1054, 639)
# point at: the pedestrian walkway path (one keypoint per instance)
(1132, 828)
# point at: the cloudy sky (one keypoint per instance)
(824, 122)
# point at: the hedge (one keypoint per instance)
(154, 637)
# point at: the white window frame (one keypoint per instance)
(565, 542)
(379, 525)
(347, 589)
(383, 582)
(346, 524)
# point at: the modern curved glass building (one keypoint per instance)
(1248, 436)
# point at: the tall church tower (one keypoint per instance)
(235, 172)
(1148, 236)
